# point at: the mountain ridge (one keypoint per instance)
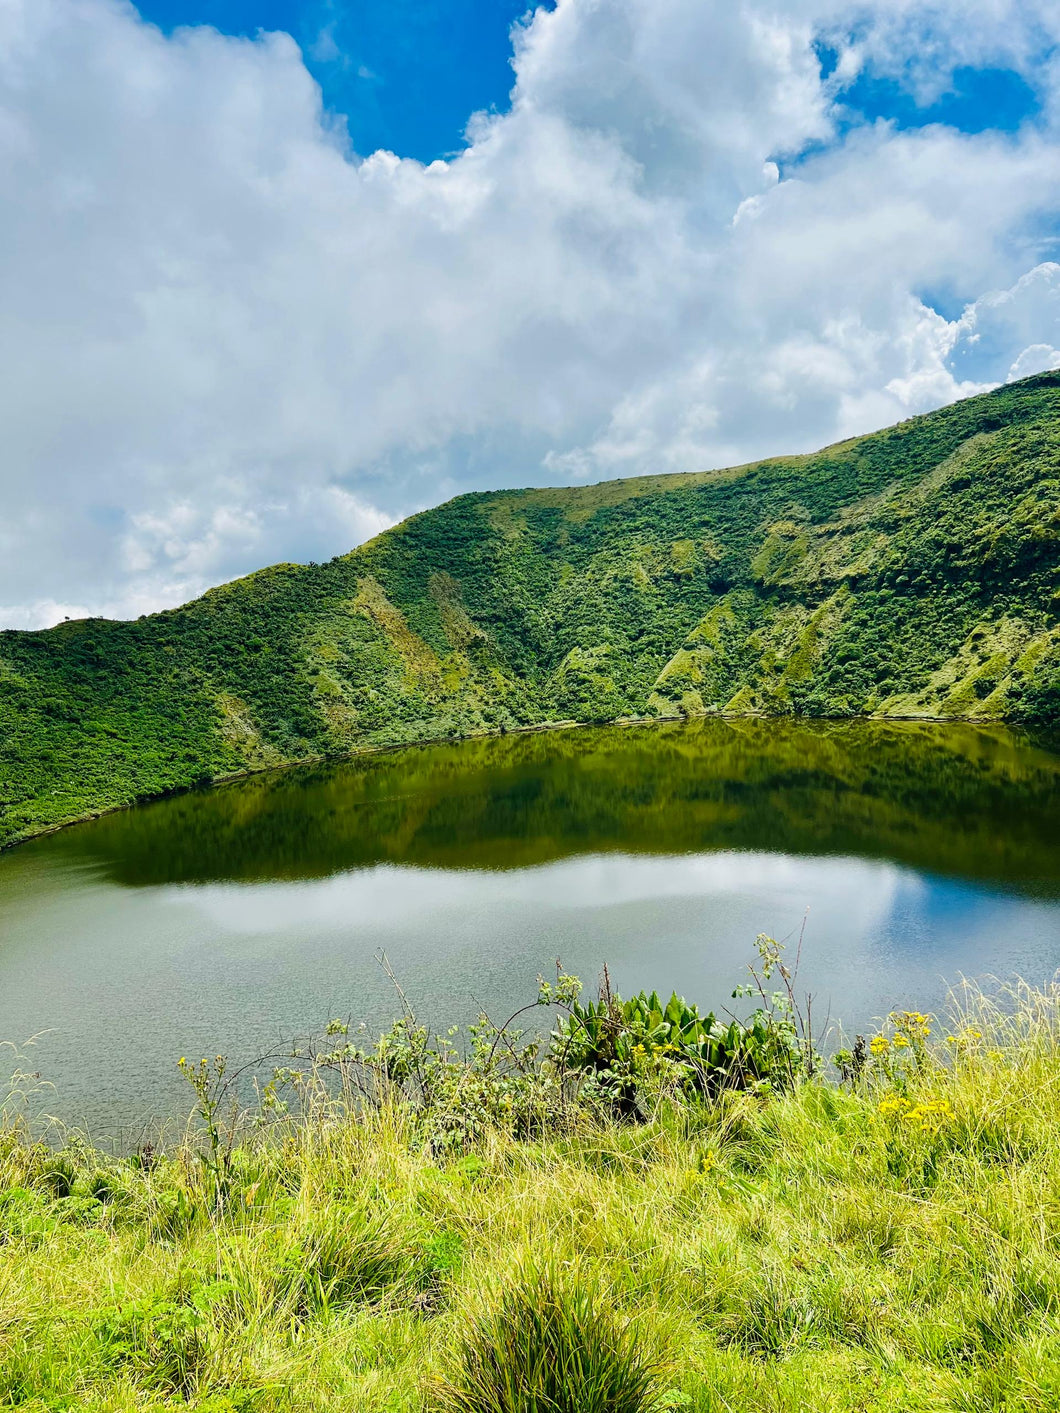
(912, 572)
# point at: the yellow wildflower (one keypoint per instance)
(928, 1116)
(913, 1024)
(966, 1037)
(892, 1105)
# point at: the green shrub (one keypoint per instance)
(56, 1175)
(162, 1342)
(25, 1217)
(174, 1214)
(620, 1045)
(106, 1187)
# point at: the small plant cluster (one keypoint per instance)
(897, 1062)
(549, 1342)
(894, 1054)
(929, 1116)
(625, 1052)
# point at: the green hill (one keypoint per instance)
(911, 573)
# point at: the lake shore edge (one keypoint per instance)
(1017, 729)
(879, 1237)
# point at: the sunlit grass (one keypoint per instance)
(815, 1249)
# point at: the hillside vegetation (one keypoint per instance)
(914, 572)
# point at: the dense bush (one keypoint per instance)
(621, 1048)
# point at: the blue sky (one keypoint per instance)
(974, 100)
(407, 74)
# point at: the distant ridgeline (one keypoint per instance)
(911, 573)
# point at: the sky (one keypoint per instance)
(276, 273)
(405, 74)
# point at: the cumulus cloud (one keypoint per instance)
(227, 338)
(1005, 321)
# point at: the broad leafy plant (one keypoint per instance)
(623, 1048)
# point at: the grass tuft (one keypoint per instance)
(550, 1344)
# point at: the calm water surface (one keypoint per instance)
(229, 919)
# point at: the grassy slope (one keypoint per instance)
(809, 1251)
(912, 572)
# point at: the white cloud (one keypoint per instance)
(224, 339)
(1015, 321)
(1035, 358)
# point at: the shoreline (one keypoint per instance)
(538, 728)
(829, 1233)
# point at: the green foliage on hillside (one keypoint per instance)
(915, 572)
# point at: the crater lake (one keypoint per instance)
(906, 855)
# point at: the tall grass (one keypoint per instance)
(890, 1244)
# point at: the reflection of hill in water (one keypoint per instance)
(952, 799)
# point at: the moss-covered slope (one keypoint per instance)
(914, 572)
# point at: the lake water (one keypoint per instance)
(227, 919)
